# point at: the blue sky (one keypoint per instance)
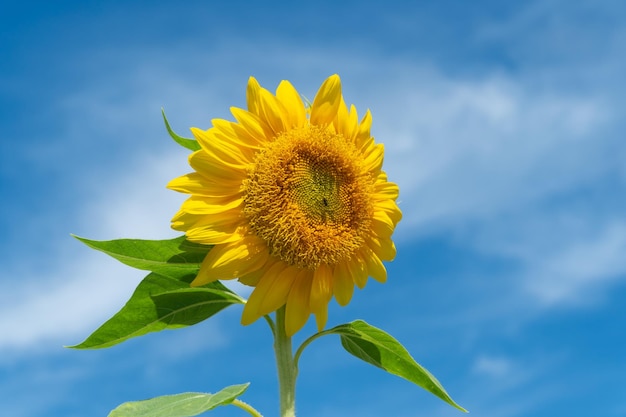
(503, 124)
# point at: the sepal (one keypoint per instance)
(190, 144)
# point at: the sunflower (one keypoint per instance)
(294, 200)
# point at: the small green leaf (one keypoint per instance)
(165, 257)
(190, 144)
(374, 346)
(180, 405)
(160, 303)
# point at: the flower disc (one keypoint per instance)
(309, 198)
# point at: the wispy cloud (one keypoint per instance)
(575, 272)
(62, 311)
(82, 288)
(468, 150)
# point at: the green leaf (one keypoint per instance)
(160, 303)
(190, 144)
(188, 306)
(180, 405)
(165, 257)
(374, 346)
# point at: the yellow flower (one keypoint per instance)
(294, 200)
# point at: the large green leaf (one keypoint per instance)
(160, 303)
(166, 257)
(180, 405)
(377, 347)
(190, 144)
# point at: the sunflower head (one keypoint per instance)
(294, 200)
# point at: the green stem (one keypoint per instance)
(246, 407)
(287, 370)
(306, 343)
(270, 322)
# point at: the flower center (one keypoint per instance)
(309, 198)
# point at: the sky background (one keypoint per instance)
(503, 124)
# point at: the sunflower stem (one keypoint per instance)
(287, 370)
(246, 407)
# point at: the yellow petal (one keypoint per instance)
(210, 236)
(382, 225)
(358, 270)
(227, 129)
(207, 205)
(232, 260)
(252, 96)
(322, 287)
(341, 115)
(230, 143)
(226, 221)
(197, 184)
(298, 311)
(386, 190)
(246, 138)
(219, 144)
(390, 209)
(252, 279)
(384, 249)
(217, 186)
(343, 286)
(254, 122)
(326, 101)
(212, 229)
(295, 113)
(373, 157)
(272, 110)
(375, 267)
(321, 317)
(363, 133)
(251, 310)
(192, 183)
(276, 296)
(346, 122)
(212, 167)
(251, 123)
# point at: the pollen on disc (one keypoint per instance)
(309, 197)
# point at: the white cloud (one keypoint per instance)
(466, 150)
(504, 167)
(495, 367)
(134, 202)
(573, 273)
(71, 304)
(496, 380)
